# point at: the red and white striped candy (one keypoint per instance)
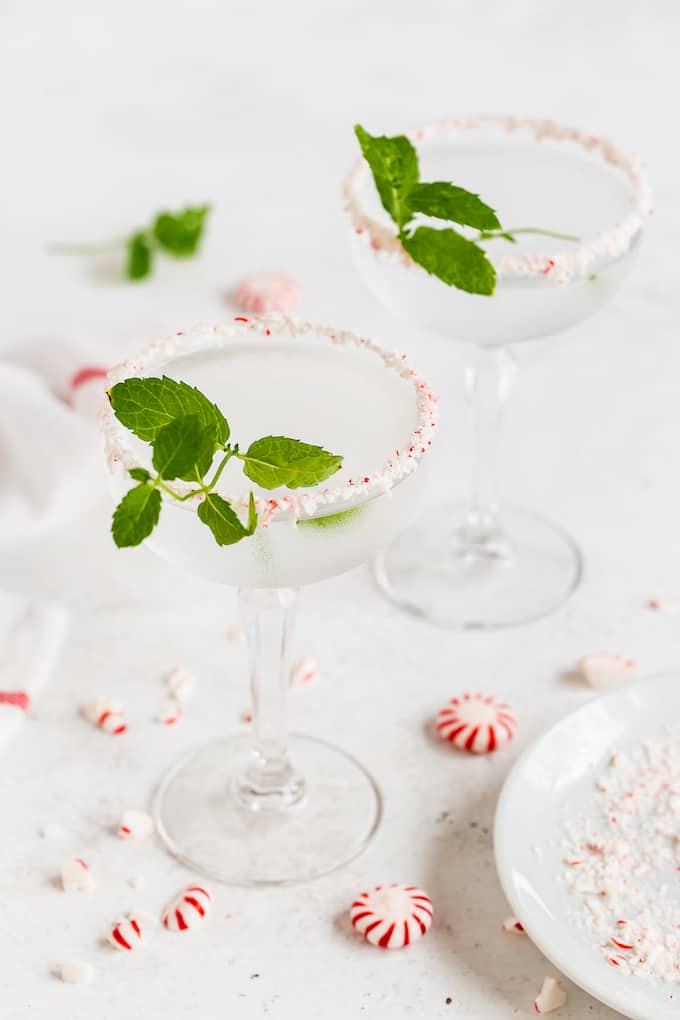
(477, 723)
(171, 715)
(189, 909)
(264, 292)
(128, 933)
(392, 916)
(551, 996)
(75, 876)
(135, 825)
(106, 715)
(305, 672)
(604, 670)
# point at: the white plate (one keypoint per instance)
(558, 771)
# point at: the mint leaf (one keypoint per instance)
(252, 515)
(184, 449)
(219, 516)
(276, 460)
(139, 257)
(136, 515)
(394, 165)
(180, 233)
(448, 202)
(450, 256)
(145, 405)
(139, 474)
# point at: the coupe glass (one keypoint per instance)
(483, 564)
(270, 808)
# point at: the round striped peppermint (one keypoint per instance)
(265, 292)
(188, 910)
(392, 916)
(477, 723)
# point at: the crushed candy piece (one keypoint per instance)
(514, 926)
(606, 670)
(668, 605)
(392, 916)
(236, 633)
(264, 292)
(551, 996)
(76, 972)
(18, 699)
(181, 685)
(305, 672)
(172, 715)
(477, 723)
(189, 909)
(135, 825)
(128, 932)
(106, 715)
(76, 876)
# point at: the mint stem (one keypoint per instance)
(490, 235)
(59, 248)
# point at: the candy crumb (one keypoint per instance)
(514, 926)
(551, 996)
(76, 972)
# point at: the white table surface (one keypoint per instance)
(109, 112)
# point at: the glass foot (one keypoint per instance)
(206, 824)
(439, 571)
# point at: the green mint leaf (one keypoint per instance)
(252, 515)
(184, 449)
(450, 256)
(275, 460)
(447, 202)
(180, 233)
(219, 516)
(139, 258)
(139, 474)
(145, 405)
(136, 515)
(394, 165)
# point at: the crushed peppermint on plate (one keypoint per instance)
(622, 864)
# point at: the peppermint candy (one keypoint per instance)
(265, 292)
(75, 876)
(477, 723)
(106, 715)
(392, 916)
(171, 715)
(606, 670)
(551, 996)
(305, 672)
(189, 909)
(128, 933)
(86, 390)
(135, 825)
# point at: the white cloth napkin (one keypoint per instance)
(50, 465)
(30, 638)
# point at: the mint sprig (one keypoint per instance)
(178, 234)
(187, 432)
(454, 258)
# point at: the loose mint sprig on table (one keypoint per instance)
(178, 234)
(186, 430)
(453, 257)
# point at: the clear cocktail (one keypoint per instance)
(245, 810)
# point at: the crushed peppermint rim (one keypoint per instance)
(561, 267)
(303, 503)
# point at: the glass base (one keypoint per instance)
(206, 825)
(439, 571)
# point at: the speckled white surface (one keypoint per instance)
(111, 112)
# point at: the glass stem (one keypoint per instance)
(269, 782)
(488, 377)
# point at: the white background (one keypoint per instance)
(108, 112)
